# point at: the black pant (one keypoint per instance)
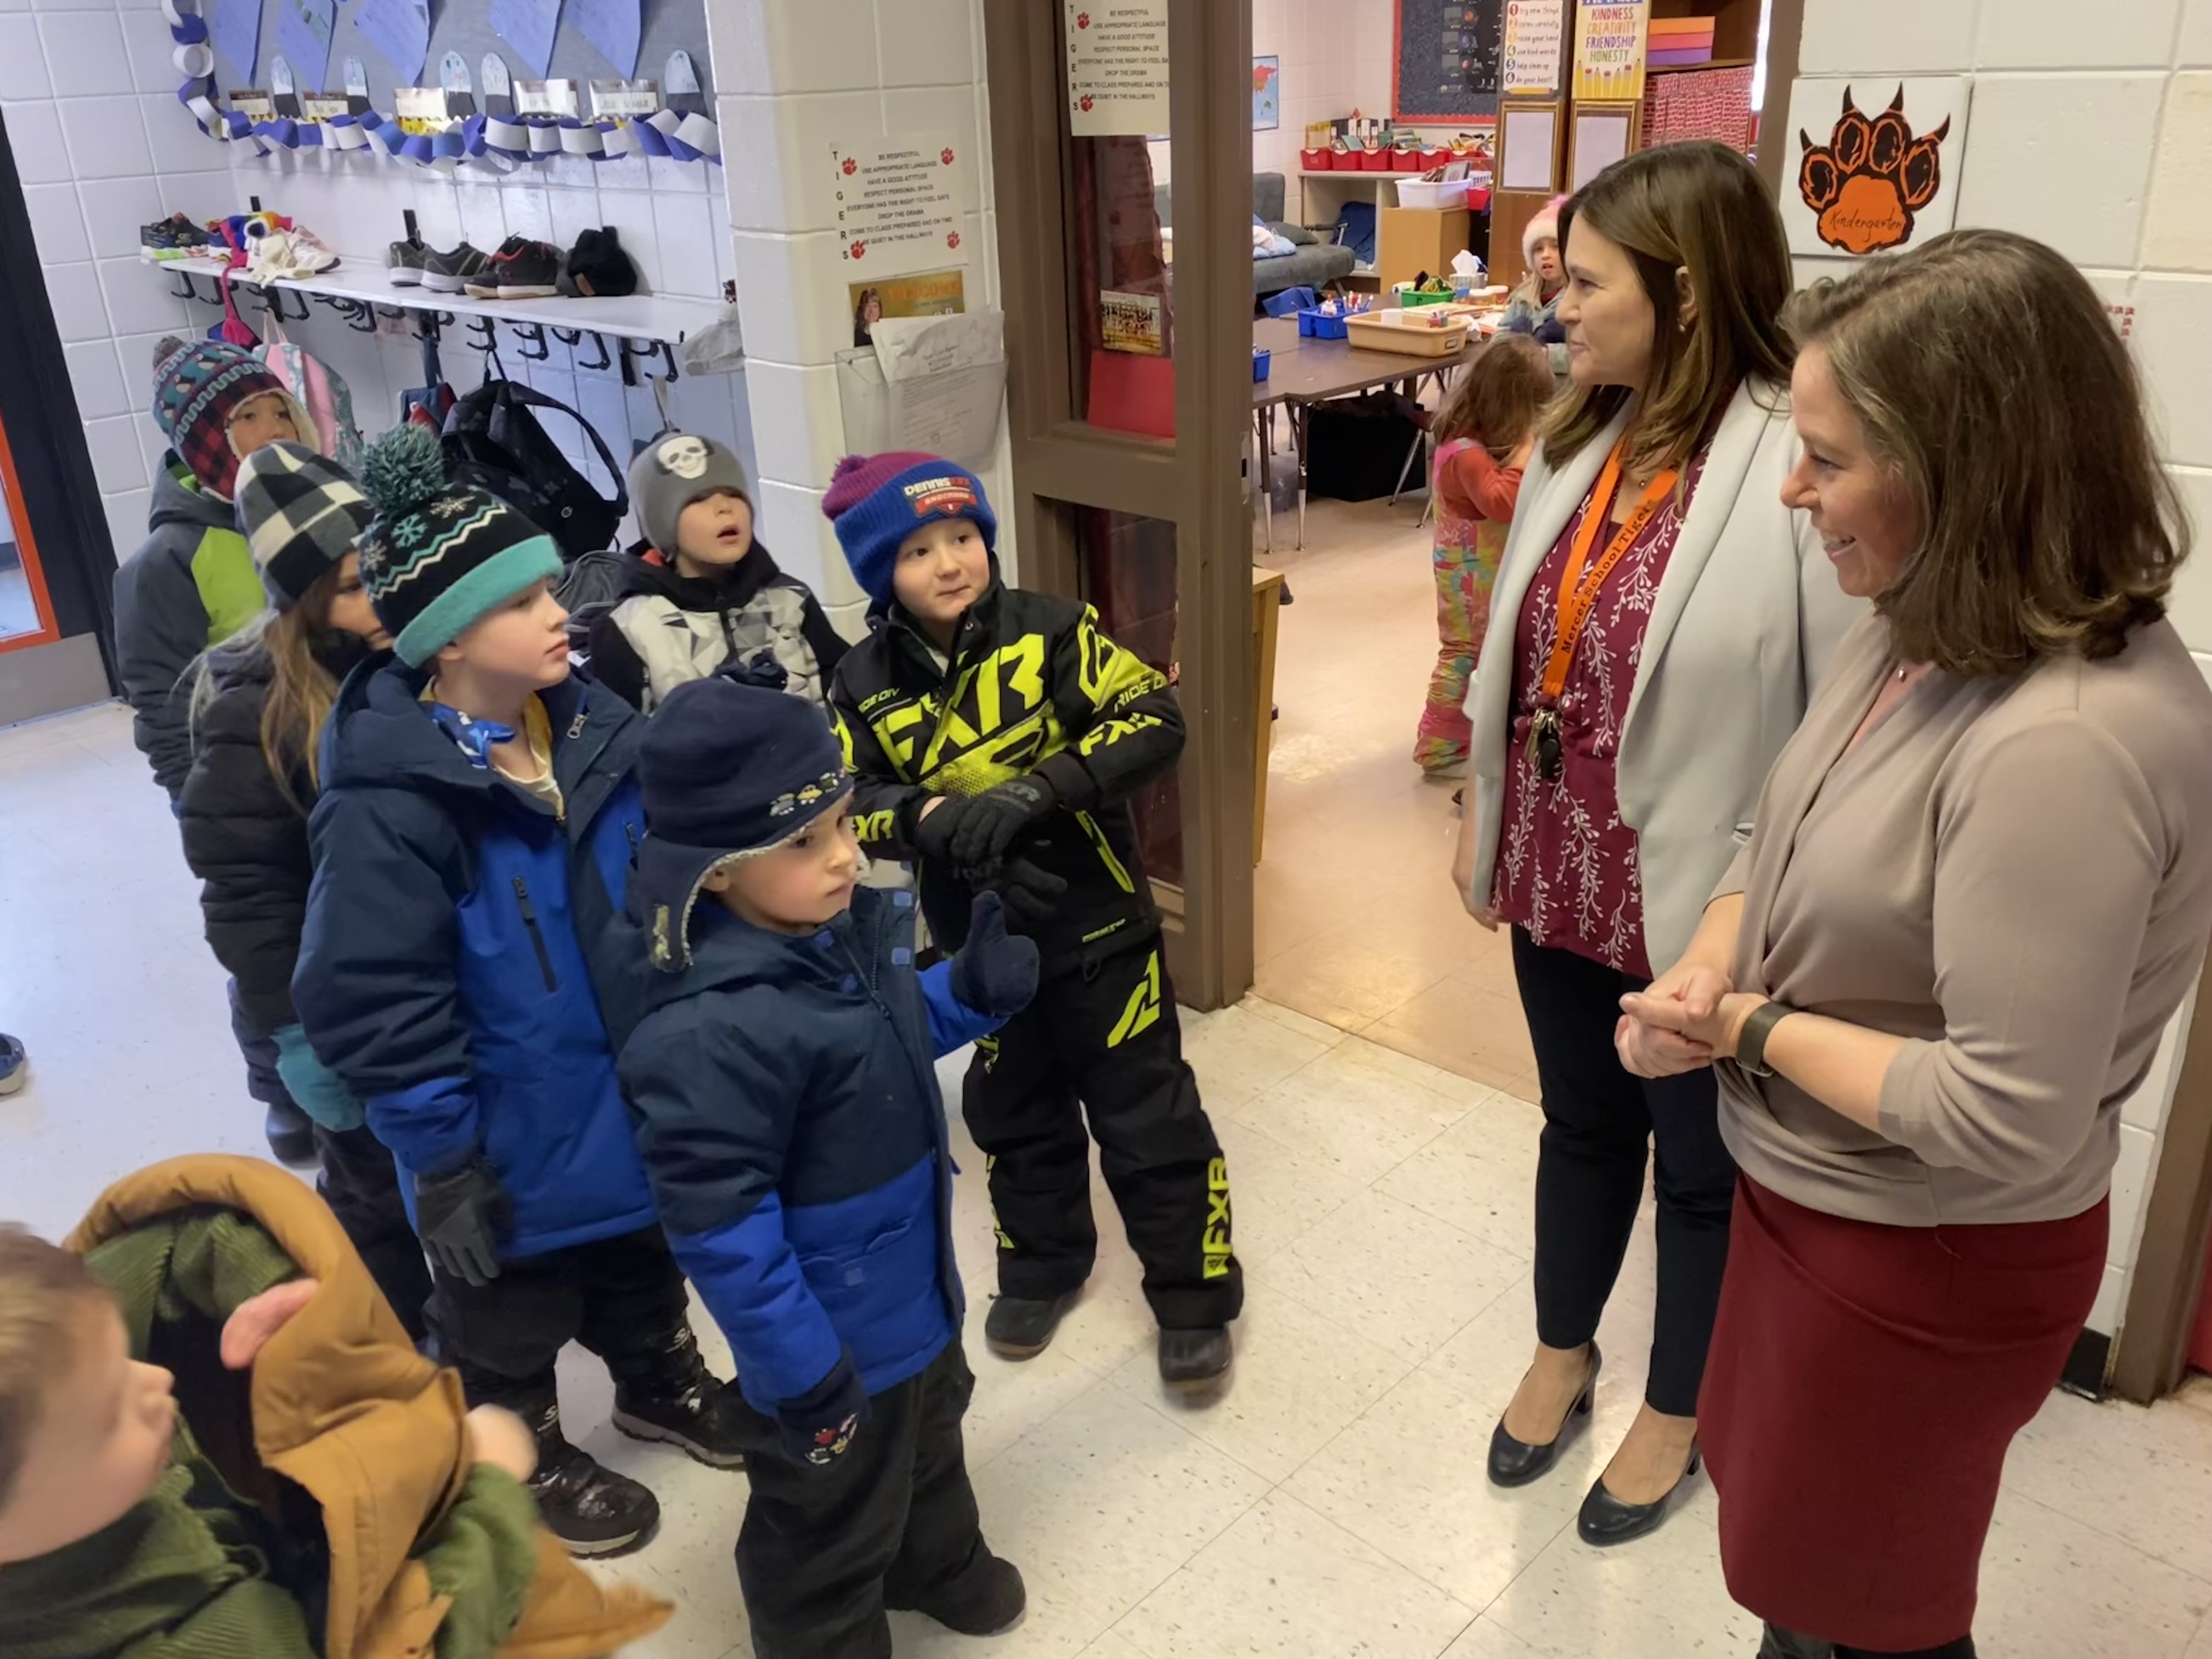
(892, 1523)
(1598, 1118)
(1104, 1037)
(1780, 1644)
(621, 1297)
(258, 1050)
(360, 1184)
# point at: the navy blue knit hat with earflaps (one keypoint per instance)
(441, 554)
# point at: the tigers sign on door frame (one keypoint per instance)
(1872, 162)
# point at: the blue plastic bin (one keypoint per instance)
(1260, 356)
(1322, 327)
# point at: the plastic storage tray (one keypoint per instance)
(1321, 325)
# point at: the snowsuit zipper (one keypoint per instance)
(537, 937)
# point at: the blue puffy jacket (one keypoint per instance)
(789, 1115)
(460, 945)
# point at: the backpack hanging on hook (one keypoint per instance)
(493, 439)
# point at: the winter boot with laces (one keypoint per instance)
(686, 1407)
(593, 1511)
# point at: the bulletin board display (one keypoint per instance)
(1445, 59)
(456, 27)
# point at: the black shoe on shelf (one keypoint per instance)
(484, 282)
(1605, 1519)
(587, 1506)
(988, 1599)
(291, 1136)
(1021, 1326)
(596, 267)
(14, 1065)
(453, 270)
(1194, 1362)
(521, 270)
(1515, 1463)
(700, 1418)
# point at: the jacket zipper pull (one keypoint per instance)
(537, 937)
(576, 725)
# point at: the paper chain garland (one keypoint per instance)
(513, 139)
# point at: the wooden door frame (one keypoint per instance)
(1195, 480)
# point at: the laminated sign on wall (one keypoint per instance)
(1117, 67)
(1872, 179)
(929, 383)
(897, 202)
(1535, 48)
(1609, 40)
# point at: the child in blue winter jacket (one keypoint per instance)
(472, 846)
(792, 1125)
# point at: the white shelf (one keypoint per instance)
(629, 317)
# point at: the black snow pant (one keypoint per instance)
(360, 1184)
(258, 1049)
(621, 1297)
(1103, 1038)
(891, 1523)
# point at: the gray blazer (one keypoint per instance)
(1743, 623)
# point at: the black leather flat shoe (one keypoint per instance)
(1515, 1463)
(1605, 1519)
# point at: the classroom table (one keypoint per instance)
(1303, 370)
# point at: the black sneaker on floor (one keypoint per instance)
(987, 1599)
(291, 1136)
(1196, 1362)
(1021, 1327)
(455, 269)
(702, 1419)
(588, 1507)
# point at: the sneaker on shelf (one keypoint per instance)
(485, 283)
(404, 262)
(14, 1065)
(452, 272)
(288, 253)
(598, 268)
(591, 1510)
(159, 241)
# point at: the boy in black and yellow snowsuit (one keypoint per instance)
(996, 737)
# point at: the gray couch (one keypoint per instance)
(1316, 263)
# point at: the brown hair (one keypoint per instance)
(1697, 208)
(1497, 401)
(1988, 378)
(300, 689)
(44, 1292)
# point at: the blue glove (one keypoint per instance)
(820, 1425)
(315, 1088)
(994, 973)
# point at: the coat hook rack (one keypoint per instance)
(647, 352)
(573, 336)
(486, 332)
(533, 346)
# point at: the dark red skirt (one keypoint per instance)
(1863, 1384)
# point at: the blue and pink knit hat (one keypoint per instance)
(877, 501)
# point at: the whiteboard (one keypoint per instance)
(1601, 139)
(1529, 150)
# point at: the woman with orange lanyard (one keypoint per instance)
(1658, 621)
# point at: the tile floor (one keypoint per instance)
(1357, 924)
(1333, 1505)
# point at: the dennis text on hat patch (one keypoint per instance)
(946, 496)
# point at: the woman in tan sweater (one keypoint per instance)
(1980, 884)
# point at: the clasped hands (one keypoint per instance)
(1691, 1016)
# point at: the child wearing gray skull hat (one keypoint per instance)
(701, 589)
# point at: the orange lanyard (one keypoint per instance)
(1578, 592)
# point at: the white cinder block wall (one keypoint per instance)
(2092, 130)
(797, 76)
(102, 146)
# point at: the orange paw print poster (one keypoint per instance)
(1874, 175)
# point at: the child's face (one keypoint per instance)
(524, 643)
(260, 421)
(943, 568)
(102, 1442)
(350, 610)
(716, 529)
(798, 884)
(1548, 268)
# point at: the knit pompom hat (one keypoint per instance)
(731, 767)
(877, 501)
(301, 515)
(441, 554)
(1545, 224)
(198, 385)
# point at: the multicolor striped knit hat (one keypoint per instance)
(197, 386)
(441, 554)
(301, 515)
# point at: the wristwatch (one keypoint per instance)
(1751, 1042)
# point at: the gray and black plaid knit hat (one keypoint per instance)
(301, 514)
(441, 552)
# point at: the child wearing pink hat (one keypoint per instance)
(1532, 309)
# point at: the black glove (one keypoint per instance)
(936, 828)
(820, 1425)
(458, 1216)
(994, 973)
(1032, 894)
(994, 817)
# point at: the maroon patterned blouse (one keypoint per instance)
(1566, 864)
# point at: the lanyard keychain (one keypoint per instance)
(1579, 597)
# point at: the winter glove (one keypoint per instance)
(458, 1216)
(994, 817)
(1032, 893)
(937, 827)
(994, 973)
(313, 1085)
(820, 1425)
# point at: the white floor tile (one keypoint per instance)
(2055, 1588)
(2144, 1477)
(1333, 1597)
(1479, 1174)
(1275, 1195)
(1484, 1639)
(1239, 1052)
(1356, 1110)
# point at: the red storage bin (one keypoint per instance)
(1317, 160)
(1375, 160)
(1406, 161)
